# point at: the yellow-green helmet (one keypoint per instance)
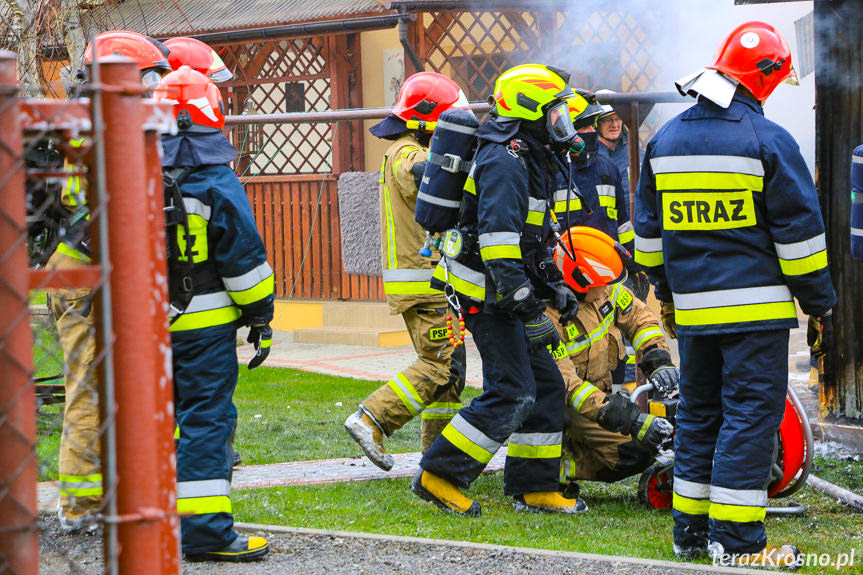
(583, 108)
(524, 91)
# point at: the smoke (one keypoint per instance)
(682, 36)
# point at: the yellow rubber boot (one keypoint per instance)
(444, 494)
(785, 557)
(550, 501)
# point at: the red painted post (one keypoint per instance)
(19, 528)
(162, 352)
(135, 302)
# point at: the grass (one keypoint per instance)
(301, 416)
(615, 525)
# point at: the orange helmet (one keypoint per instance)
(198, 56)
(150, 54)
(197, 103)
(755, 55)
(424, 96)
(588, 258)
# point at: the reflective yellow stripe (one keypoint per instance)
(535, 218)
(709, 181)
(263, 289)
(736, 513)
(81, 485)
(649, 259)
(407, 393)
(265, 343)
(574, 204)
(409, 288)
(80, 491)
(645, 426)
(805, 265)
(627, 237)
(458, 439)
(393, 259)
(607, 201)
(441, 410)
(460, 284)
(500, 252)
(204, 505)
(736, 314)
(208, 318)
(645, 335)
(690, 506)
(81, 478)
(66, 250)
(533, 451)
(708, 211)
(583, 392)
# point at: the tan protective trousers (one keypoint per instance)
(432, 385)
(80, 465)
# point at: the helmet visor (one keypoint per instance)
(559, 123)
(151, 78)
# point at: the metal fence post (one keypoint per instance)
(19, 529)
(141, 511)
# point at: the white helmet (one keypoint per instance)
(606, 108)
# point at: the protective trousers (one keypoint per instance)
(205, 375)
(732, 390)
(522, 399)
(596, 454)
(79, 466)
(432, 385)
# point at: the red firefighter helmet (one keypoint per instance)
(424, 96)
(197, 103)
(588, 258)
(150, 54)
(198, 56)
(755, 55)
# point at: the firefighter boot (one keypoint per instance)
(363, 429)
(551, 501)
(785, 557)
(444, 494)
(244, 548)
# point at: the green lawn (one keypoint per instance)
(301, 419)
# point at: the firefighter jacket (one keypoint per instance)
(727, 222)
(857, 203)
(598, 181)
(406, 273)
(594, 343)
(73, 198)
(232, 281)
(505, 216)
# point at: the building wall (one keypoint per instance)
(374, 44)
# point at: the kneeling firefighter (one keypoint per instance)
(607, 438)
(432, 385)
(219, 279)
(491, 270)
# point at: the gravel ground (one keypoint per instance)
(63, 554)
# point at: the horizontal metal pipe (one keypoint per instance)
(306, 29)
(372, 113)
(478, 5)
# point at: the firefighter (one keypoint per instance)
(607, 438)
(613, 138)
(219, 279)
(79, 465)
(497, 266)
(728, 225)
(603, 204)
(857, 203)
(432, 385)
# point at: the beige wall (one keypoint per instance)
(373, 44)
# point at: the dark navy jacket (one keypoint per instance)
(728, 224)
(857, 203)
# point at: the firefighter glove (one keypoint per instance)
(618, 414)
(565, 302)
(541, 332)
(417, 172)
(819, 333)
(521, 303)
(640, 284)
(668, 322)
(651, 431)
(261, 336)
(660, 370)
